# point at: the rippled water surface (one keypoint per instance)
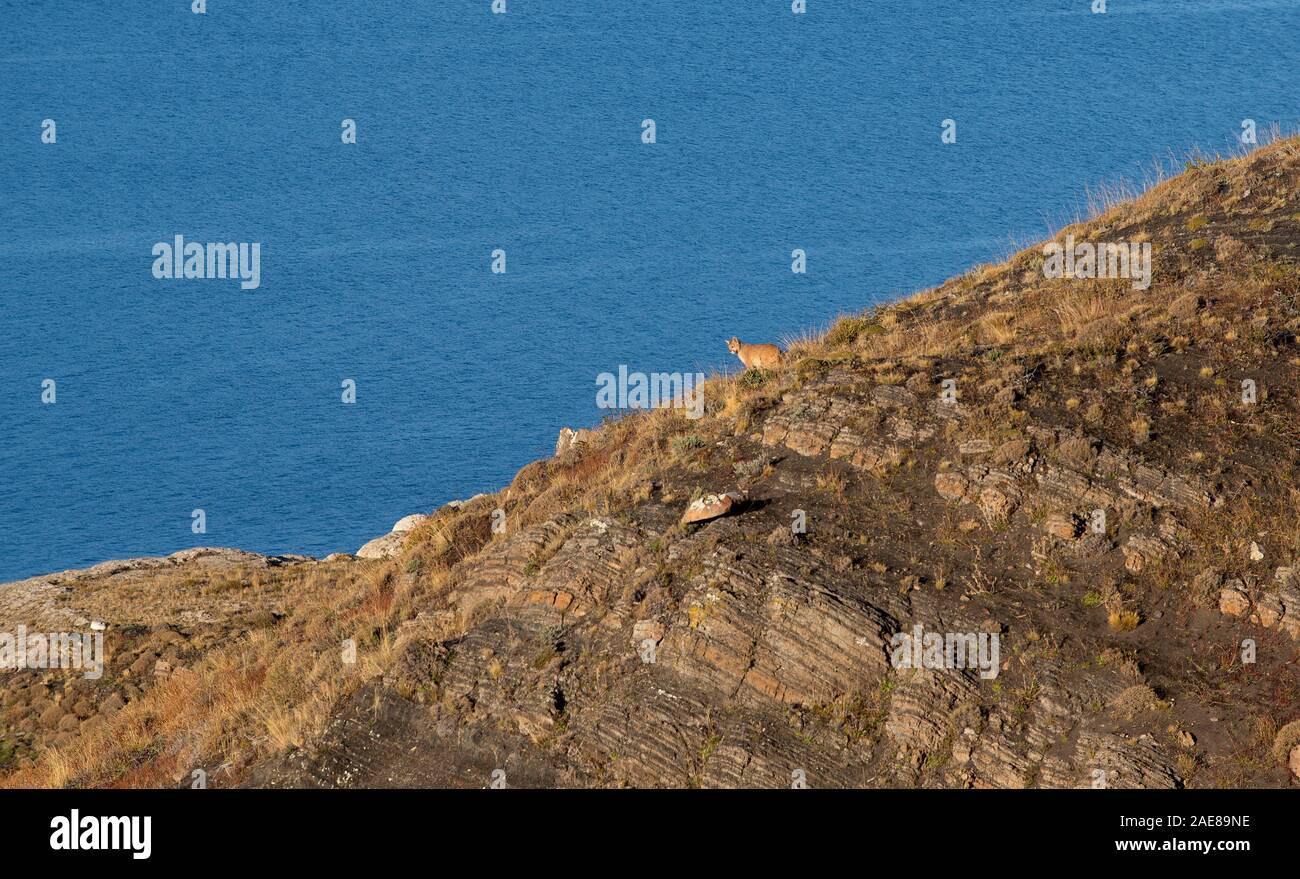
(520, 132)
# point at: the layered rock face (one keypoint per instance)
(1016, 531)
(1070, 467)
(625, 650)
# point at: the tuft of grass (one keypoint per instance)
(686, 443)
(833, 482)
(1141, 427)
(1123, 620)
(847, 330)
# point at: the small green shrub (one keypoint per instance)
(687, 442)
(847, 330)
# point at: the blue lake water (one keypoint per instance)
(520, 132)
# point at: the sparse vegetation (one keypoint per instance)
(1071, 396)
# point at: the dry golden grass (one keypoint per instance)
(1123, 620)
(270, 690)
(833, 482)
(998, 328)
(275, 688)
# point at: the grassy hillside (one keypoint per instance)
(526, 649)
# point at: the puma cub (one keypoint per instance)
(755, 356)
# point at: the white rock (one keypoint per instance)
(647, 630)
(711, 506)
(569, 439)
(383, 547)
(457, 504)
(564, 441)
(390, 544)
(408, 523)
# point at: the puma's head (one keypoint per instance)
(733, 344)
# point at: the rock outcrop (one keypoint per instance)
(390, 544)
(1015, 531)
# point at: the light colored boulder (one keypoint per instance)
(408, 523)
(458, 504)
(569, 439)
(1233, 602)
(711, 506)
(564, 441)
(382, 547)
(390, 544)
(647, 630)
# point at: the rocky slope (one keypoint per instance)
(1073, 466)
